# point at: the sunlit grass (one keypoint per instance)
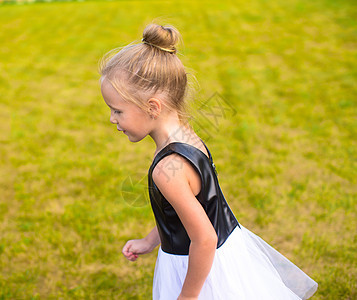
(285, 150)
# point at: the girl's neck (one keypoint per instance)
(169, 130)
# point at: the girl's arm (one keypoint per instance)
(133, 248)
(203, 237)
(153, 238)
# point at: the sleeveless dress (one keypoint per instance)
(244, 266)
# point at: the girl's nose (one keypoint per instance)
(112, 120)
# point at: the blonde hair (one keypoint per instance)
(148, 68)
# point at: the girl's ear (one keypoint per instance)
(154, 107)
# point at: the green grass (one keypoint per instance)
(285, 151)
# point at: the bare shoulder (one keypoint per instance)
(171, 167)
(177, 171)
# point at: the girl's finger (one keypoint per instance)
(126, 247)
(131, 256)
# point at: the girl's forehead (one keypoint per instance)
(110, 94)
(106, 87)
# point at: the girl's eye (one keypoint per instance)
(117, 112)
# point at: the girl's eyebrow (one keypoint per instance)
(112, 107)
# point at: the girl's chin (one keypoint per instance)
(135, 139)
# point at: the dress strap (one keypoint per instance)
(210, 157)
(192, 153)
(209, 153)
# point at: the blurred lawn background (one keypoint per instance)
(286, 159)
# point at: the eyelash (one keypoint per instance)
(117, 111)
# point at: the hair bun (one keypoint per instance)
(163, 37)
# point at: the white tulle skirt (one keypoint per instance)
(244, 267)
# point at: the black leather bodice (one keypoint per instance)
(174, 238)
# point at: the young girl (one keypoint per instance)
(205, 253)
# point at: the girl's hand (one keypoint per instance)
(133, 248)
